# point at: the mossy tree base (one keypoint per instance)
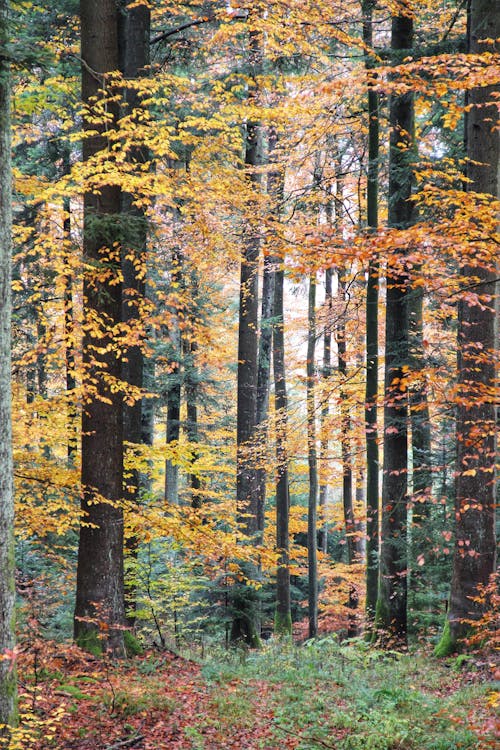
(282, 624)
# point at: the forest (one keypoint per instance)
(249, 368)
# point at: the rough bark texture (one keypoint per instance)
(263, 383)
(99, 611)
(352, 530)
(391, 614)
(246, 483)
(474, 554)
(133, 39)
(312, 557)
(283, 619)
(191, 382)
(69, 339)
(8, 690)
(371, 392)
(244, 626)
(325, 409)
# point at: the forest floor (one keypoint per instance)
(318, 695)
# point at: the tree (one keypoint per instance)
(372, 299)
(99, 610)
(7, 562)
(312, 506)
(247, 495)
(391, 615)
(474, 552)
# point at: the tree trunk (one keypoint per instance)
(69, 337)
(246, 485)
(174, 385)
(244, 626)
(263, 383)
(391, 614)
(325, 409)
(134, 33)
(474, 554)
(283, 616)
(372, 286)
(352, 530)
(313, 464)
(283, 619)
(8, 683)
(99, 611)
(191, 377)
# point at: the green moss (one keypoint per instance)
(132, 645)
(282, 624)
(89, 641)
(446, 645)
(73, 691)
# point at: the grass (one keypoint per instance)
(353, 697)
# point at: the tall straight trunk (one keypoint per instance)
(174, 386)
(69, 340)
(419, 415)
(246, 480)
(8, 683)
(312, 557)
(474, 554)
(245, 619)
(352, 529)
(391, 610)
(283, 618)
(191, 378)
(99, 588)
(133, 39)
(134, 32)
(325, 409)
(372, 294)
(263, 383)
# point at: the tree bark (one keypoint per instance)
(244, 626)
(263, 384)
(391, 610)
(8, 682)
(312, 542)
(99, 611)
(474, 553)
(283, 618)
(133, 39)
(372, 295)
(325, 409)
(246, 484)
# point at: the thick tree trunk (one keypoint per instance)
(244, 626)
(8, 685)
(391, 614)
(312, 505)
(372, 286)
(134, 33)
(246, 484)
(99, 611)
(474, 554)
